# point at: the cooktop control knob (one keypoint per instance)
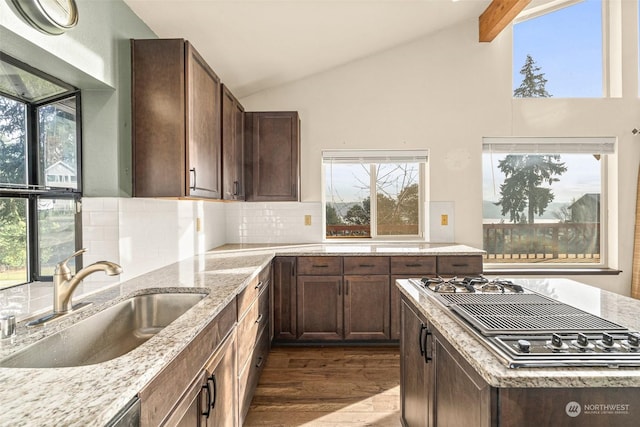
(524, 346)
(607, 342)
(632, 343)
(582, 343)
(556, 343)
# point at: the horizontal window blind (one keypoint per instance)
(562, 145)
(374, 156)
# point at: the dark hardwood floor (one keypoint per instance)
(328, 386)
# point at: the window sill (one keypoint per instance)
(551, 272)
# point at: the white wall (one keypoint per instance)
(95, 57)
(444, 93)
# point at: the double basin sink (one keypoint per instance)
(107, 334)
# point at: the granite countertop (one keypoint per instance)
(617, 308)
(355, 249)
(91, 395)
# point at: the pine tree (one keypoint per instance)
(522, 188)
(533, 83)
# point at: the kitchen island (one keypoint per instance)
(452, 378)
(92, 395)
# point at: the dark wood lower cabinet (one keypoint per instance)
(284, 299)
(320, 313)
(366, 307)
(416, 370)
(461, 396)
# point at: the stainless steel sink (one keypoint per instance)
(107, 334)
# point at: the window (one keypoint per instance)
(39, 172)
(544, 200)
(558, 50)
(374, 194)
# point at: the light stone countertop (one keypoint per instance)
(362, 249)
(617, 308)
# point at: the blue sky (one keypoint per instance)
(567, 45)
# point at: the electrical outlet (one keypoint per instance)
(444, 219)
(307, 220)
(198, 225)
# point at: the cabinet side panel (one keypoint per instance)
(158, 109)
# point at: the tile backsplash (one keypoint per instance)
(275, 222)
(146, 234)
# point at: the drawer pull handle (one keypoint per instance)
(413, 265)
(320, 266)
(193, 186)
(212, 379)
(367, 265)
(259, 285)
(260, 361)
(460, 265)
(206, 412)
(259, 319)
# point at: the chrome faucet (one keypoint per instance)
(64, 283)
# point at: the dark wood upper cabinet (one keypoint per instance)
(272, 156)
(232, 147)
(176, 121)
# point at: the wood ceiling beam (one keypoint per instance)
(497, 16)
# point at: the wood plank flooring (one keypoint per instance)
(328, 386)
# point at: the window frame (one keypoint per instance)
(373, 157)
(606, 147)
(35, 189)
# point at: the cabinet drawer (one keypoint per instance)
(250, 374)
(418, 265)
(366, 265)
(251, 292)
(251, 325)
(459, 265)
(319, 265)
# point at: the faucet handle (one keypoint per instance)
(62, 268)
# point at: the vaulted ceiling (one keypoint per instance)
(257, 44)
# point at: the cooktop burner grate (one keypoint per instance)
(505, 318)
(491, 298)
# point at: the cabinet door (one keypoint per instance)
(416, 370)
(157, 93)
(188, 412)
(232, 147)
(366, 307)
(273, 167)
(284, 299)
(462, 397)
(203, 128)
(320, 302)
(221, 381)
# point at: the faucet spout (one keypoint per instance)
(64, 283)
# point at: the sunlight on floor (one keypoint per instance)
(382, 409)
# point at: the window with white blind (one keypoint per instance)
(374, 193)
(544, 200)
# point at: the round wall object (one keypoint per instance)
(50, 16)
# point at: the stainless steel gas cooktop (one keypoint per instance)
(524, 328)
